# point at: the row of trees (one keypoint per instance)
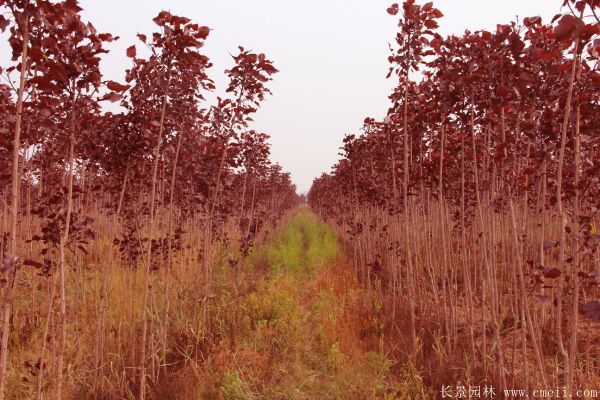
(472, 207)
(140, 206)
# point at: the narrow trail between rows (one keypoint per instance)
(298, 331)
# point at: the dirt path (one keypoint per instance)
(297, 332)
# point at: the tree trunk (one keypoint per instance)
(147, 283)
(8, 290)
(62, 260)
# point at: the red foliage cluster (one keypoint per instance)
(166, 123)
(493, 121)
(169, 155)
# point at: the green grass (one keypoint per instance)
(303, 244)
(289, 344)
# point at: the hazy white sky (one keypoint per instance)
(332, 55)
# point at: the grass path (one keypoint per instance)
(297, 332)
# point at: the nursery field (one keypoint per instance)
(152, 248)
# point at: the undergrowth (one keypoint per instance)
(302, 331)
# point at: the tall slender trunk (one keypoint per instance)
(208, 232)
(8, 290)
(442, 215)
(209, 224)
(170, 250)
(411, 269)
(147, 283)
(574, 269)
(563, 215)
(252, 204)
(243, 200)
(64, 240)
(487, 252)
(523, 294)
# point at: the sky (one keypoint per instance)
(332, 57)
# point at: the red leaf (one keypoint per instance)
(131, 52)
(594, 51)
(33, 264)
(270, 69)
(72, 6)
(431, 24)
(58, 72)
(437, 13)
(162, 18)
(112, 97)
(546, 55)
(393, 9)
(3, 23)
(117, 87)
(551, 273)
(49, 42)
(589, 31)
(568, 28)
(94, 77)
(529, 21)
(203, 32)
(44, 83)
(106, 37)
